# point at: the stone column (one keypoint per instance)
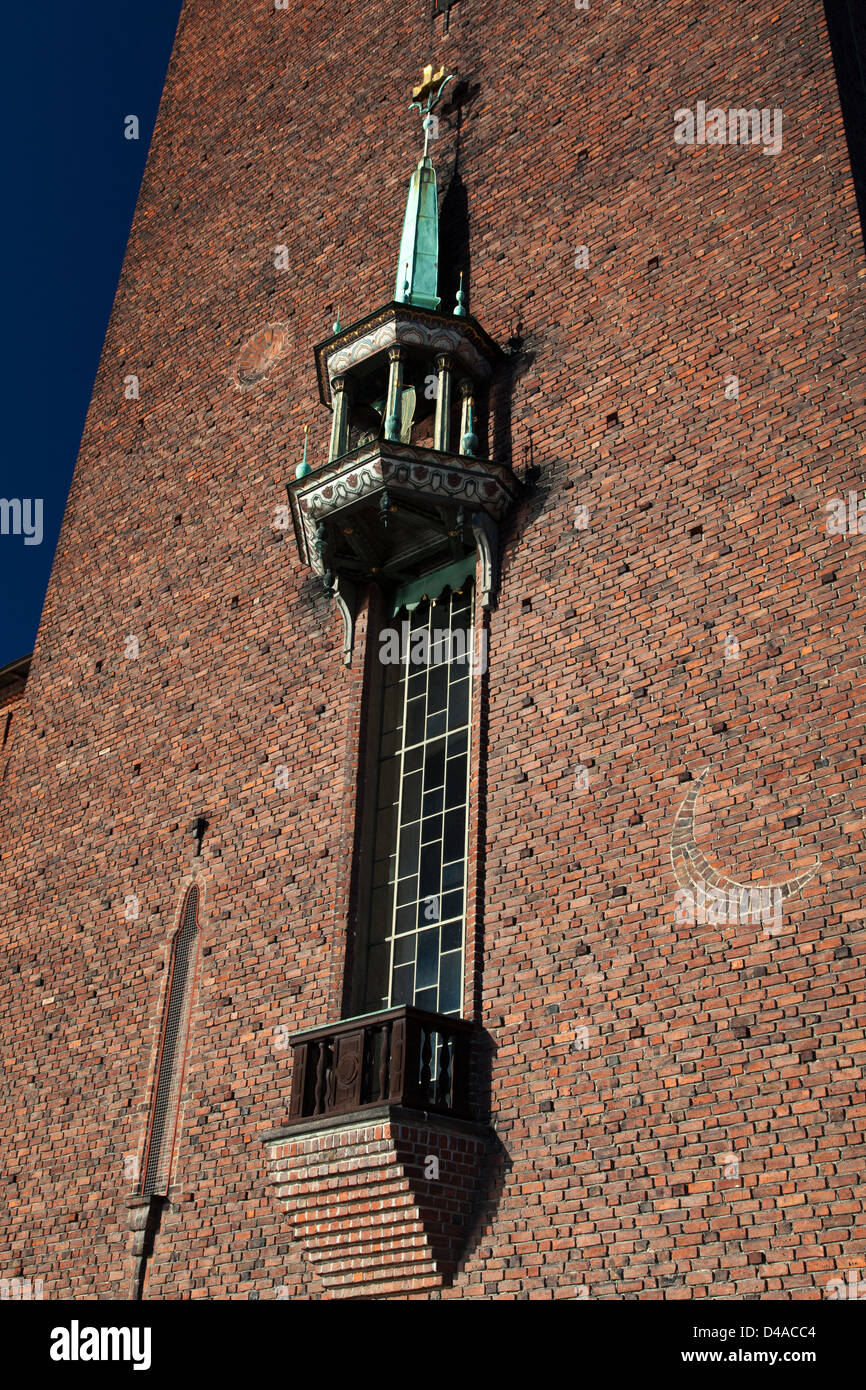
(442, 421)
(468, 437)
(340, 420)
(393, 418)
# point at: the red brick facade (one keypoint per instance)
(675, 1107)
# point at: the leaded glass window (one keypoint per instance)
(415, 933)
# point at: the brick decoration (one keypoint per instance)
(691, 866)
(370, 1222)
(259, 354)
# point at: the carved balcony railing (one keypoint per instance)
(403, 1056)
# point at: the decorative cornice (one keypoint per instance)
(399, 324)
(475, 483)
(15, 671)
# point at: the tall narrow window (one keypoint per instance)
(165, 1105)
(415, 927)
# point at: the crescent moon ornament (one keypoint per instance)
(722, 897)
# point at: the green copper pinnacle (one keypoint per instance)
(418, 266)
(303, 467)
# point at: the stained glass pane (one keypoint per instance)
(434, 765)
(458, 704)
(404, 950)
(411, 797)
(437, 724)
(455, 783)
(452, 875)
(402, 990)
(433, 802)
(427, 969)
(455, 833)
(410, 838)
(438, 688)
(449, 982)
(452, 934)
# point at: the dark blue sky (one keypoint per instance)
(72, 73)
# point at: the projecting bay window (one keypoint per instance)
(412, 934)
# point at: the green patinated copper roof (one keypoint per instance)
(433, 585)
(418, 267)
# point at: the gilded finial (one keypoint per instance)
(460, 306)
(429, 81)
(427, 95)
(303, 467)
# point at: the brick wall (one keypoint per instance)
(677, 1105)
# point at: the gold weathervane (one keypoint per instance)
(428, 94)
(429, 80)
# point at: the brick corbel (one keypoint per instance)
(381, 1199)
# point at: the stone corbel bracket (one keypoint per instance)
(487, 541)
(346, 598)
(144, 1217)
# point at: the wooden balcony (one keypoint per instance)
(404, 1057)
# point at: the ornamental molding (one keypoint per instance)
(399, 325)
(480, 486)
(474, 481)
(433, 339)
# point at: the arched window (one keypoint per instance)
(174, 1032)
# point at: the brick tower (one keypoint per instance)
(432, 825)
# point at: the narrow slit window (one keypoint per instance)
(174, 1032)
